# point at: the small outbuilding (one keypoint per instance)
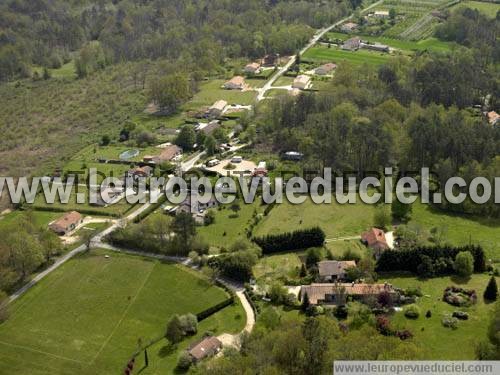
(208, 347)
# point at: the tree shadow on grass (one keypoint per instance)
(166, 350)
(460, 280)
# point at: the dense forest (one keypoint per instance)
(198, 33)
(425, 111)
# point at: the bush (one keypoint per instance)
(428, 314)
(384, 325)
(404, 334)
(462, 315)
(459, 297)
(412, 311)
(185, 361)
(450, 322)
(413, 292)
(440, 257)
(491, 291)
(464, 263)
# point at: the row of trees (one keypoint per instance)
(25, 246)
(297, 240)
(161, 234)
(431, 261)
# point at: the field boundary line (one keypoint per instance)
(124, 314)
(41, 352)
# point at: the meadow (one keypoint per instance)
(88, 316)
(335, 219)
(338, 56)
(486, 8)
(227, 227)
(461, 229)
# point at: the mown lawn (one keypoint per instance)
(212, 90)
(227, 229)
(438, 342)
(338, 56)
(87, 316)
(335, 219)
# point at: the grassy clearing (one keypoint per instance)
(276, 92)
(486, 8)
(87, 316)
(226, 229)
(40, 218)
(338, 248)
(270, 268)
(67, 71)
(338, 56)
(335, 219)
(461, 230)
(438, 342)
(211, 91)
(284, 81)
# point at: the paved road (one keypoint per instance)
(312, 42)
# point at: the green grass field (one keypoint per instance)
(438, 342)
(460, 229)
(335, 219)
(226, 230)
(212, 90)
(270, 268)
(338, 56)
(88, 315)
(284, 81)
(486, 8)
(41, 218)
(117, 209)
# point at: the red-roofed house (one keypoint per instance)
(375, 239)
(66, 223)
(493, 117)
(207, 347)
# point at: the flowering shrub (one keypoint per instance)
(459, 297)
(404, 334)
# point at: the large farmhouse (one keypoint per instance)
(337, 293)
